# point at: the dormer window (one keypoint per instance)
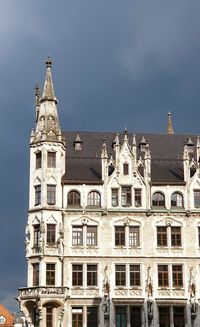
(158, 200)
(125, 168)
(78, 143)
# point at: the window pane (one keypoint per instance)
(37, 195)
(92, 317)
(120, 235)
(91, 275)
(49, 317)
(179, 316)
(74, 199)
(176, 236)
(120, 275)
(51, 159)
(121, 317)
(77, 275)
(91, 235)
(126, 196)
(177, 200)
(125, 169)
(134, 237)
(163, 276)
(50, 274)
(177, 276)
(135, 316)
(115, 199)
(164, 316)
(51, 194)
(77, 317)
(161, 236)
(158, 200)
(197, 198)
(51, 234)
(138, 197)
(35, 274)
(134, 275)
(38, 158)
(94, 199)
(36, 234)
(77, 235)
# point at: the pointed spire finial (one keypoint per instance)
(170, 129)
(48, 91)
(48, 62)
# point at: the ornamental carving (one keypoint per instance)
(121, 292)
(92, 293)
(77, 292)
(178, 292)
(166, 293)
(135, 292)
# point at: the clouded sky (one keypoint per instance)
(116, 64)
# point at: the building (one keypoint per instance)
(113, 232)
(8, 319)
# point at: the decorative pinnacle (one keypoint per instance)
(170, 129)
(48, 62)
(37, 90)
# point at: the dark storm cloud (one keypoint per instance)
(115, 64)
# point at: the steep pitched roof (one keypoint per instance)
(85, 166)
(9, 319)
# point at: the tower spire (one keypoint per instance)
(170, 129)
(48, 91)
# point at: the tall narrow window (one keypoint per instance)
(91, 275)
(36, 235)
(179, 316)
(94, 199)
(158, 200)
(125, 169)
(50, 274)
(177, 200)
(77, 275)
(51, 234)
(35, 274)
(91, 235)
(162, 236)
(126, 196)
(77, 235)
(134, 275)
(51, 159)
(115, 197)
(138, 197)
(198, 236)
(120, 235)
(92, 317)
(175, 236)
(49, 317)
(74, 199)
(177, 276)
(77, 317)
(164, 316)
(37, 195)
(134, 236)
(120, 275)
(163, 280)
(197, 198)
(51, 194)
(38, 160)
(135, 316)
(121, 317)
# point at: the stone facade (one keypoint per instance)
(121, 248)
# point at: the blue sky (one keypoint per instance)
(116, 64)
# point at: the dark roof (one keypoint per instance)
(84, 166)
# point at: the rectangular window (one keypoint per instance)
(134, 236)
(177, 276)
(49, 317)
(51, 234)
(175, 236)
(115, 197)
(92, 317)
(35, 274)
(164, 316)
(51, 159)
(120, 275)
(77, 317)
(38, 160)
(91, 275)
(197, 198)
(77, 275)
(126, 196)
(51, 194)
(134, 275)
(161, 236)
(125, 169)
(179, 316)
(36, 235)
(120, 235)
(91, 235)
(138, 197)
(77, 235)
(37, 195)
(50, 274)
(199, 236)
(121, 317)
(135, 316)
(163, 280)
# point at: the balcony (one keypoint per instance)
(43, 291)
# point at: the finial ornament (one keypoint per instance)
(170, 129)
(48, 62)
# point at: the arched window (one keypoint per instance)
(158, 200)
(94, 199)
(74, 199)
(177, 200)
